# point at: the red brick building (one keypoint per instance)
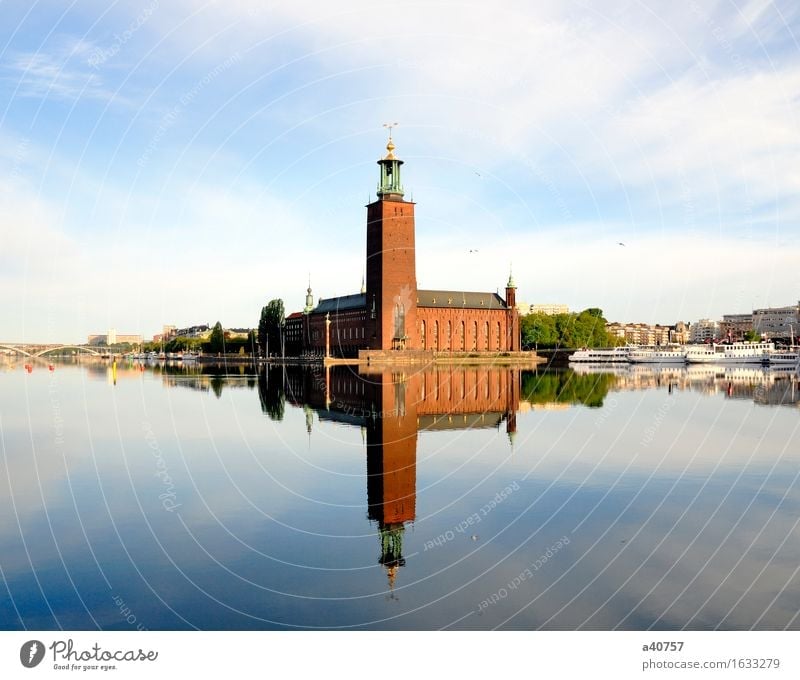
(390, 313)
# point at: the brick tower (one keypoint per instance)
(514, 340)
(391, 266)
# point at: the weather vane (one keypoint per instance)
(390, 126)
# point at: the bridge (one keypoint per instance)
(36, 351)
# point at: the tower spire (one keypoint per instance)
(309, 297)
(390, 186)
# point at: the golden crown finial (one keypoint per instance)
(390, 145)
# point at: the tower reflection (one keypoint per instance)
(392, 408)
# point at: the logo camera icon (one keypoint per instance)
(31, 653)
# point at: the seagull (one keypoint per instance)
(473, 251)
(621, 244)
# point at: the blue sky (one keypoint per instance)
(184, 162)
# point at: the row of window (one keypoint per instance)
(445, 343)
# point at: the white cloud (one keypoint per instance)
(59, 72)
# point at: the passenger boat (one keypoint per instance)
(734, 353)
(601, 355)
(784, 357)
(656, 355)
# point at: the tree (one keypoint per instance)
(216, 343)
(270, 326)
(752, 336)
(584, 329)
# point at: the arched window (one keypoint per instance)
(499, 337)
(423, 339)
(475, 335)
(486, 335)
(436, 335)
(463, 337)
(399, 321)
(448, 337)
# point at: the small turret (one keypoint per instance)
(511, 291)
(309, 299)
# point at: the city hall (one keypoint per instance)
(390, 316)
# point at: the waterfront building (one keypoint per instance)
(391, 313)
(704, 330)
(550, 309)
(640, 333)
(735, 326)
(113, 338)
(679, 333)
(777, 322)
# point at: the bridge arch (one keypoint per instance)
(55, 349)
(16, 349)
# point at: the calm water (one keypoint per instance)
(184, 498)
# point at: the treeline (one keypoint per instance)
(573, 330)
(218, 342)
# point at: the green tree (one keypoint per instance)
(216, 343)
(752, 335)
(270, 327)
(584, 329)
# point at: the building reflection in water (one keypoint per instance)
(392, 407)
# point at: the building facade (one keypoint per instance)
(778, 322)
(542, 308)
(640, 333)
(390, 313)
(735, 326)
(114, 338)
(704, 330)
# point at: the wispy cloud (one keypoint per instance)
(62, 72)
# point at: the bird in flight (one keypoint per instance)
(621, 244)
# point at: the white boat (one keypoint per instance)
(601, 355)
(655, 355)
(784, 357)
(735, 353)
(189, 356)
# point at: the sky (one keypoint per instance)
(185, 162)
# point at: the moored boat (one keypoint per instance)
(657, 355)
(601, 355)
(783, 357)
(734, 353)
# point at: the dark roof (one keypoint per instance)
(340, 304)
(459, 298)
(295, 315)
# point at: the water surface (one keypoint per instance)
(223, 498)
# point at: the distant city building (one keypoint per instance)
(777, 322)
(114, 338)
(199, 331)
(704, 330)
(735, 326)
(640, 333)
(167, 332)
(679, 333)
(550, 309)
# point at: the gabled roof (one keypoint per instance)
(459, 299)
(340, 304)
